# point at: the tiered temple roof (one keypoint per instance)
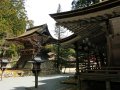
(32, 40)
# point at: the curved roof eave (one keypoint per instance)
(41, 30)
(28, 33)
(91, 9)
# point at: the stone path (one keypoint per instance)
(51, 82)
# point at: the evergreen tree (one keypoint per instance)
(76, 4)
(13, 22)
(60, 32)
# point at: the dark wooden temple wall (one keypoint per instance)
(116, 50)
(115, 47)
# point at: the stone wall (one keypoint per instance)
(48, 68)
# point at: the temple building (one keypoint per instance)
(96, 40)
(32, 41)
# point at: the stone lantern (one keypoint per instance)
(3, 63)
(36, 68)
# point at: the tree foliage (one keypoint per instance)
(13, 21)
(76, 4)
(64, 52)
(12, 17)
(59, 31)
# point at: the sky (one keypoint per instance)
(39, 10)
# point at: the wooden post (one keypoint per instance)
(1, 74)
(80, 87)
(109, 43)
(77, 59)
(108, 85)
(58, 55)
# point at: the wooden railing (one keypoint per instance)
(103, 74)
(109, 70)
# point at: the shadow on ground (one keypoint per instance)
(19, 88)
(52, 82)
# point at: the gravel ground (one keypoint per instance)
(51, 82)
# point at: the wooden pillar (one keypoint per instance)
(58, 55)
(77, 59)
(82, 85)
(109, 43)
(109, 51)
(114, 38)
(108, 87)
